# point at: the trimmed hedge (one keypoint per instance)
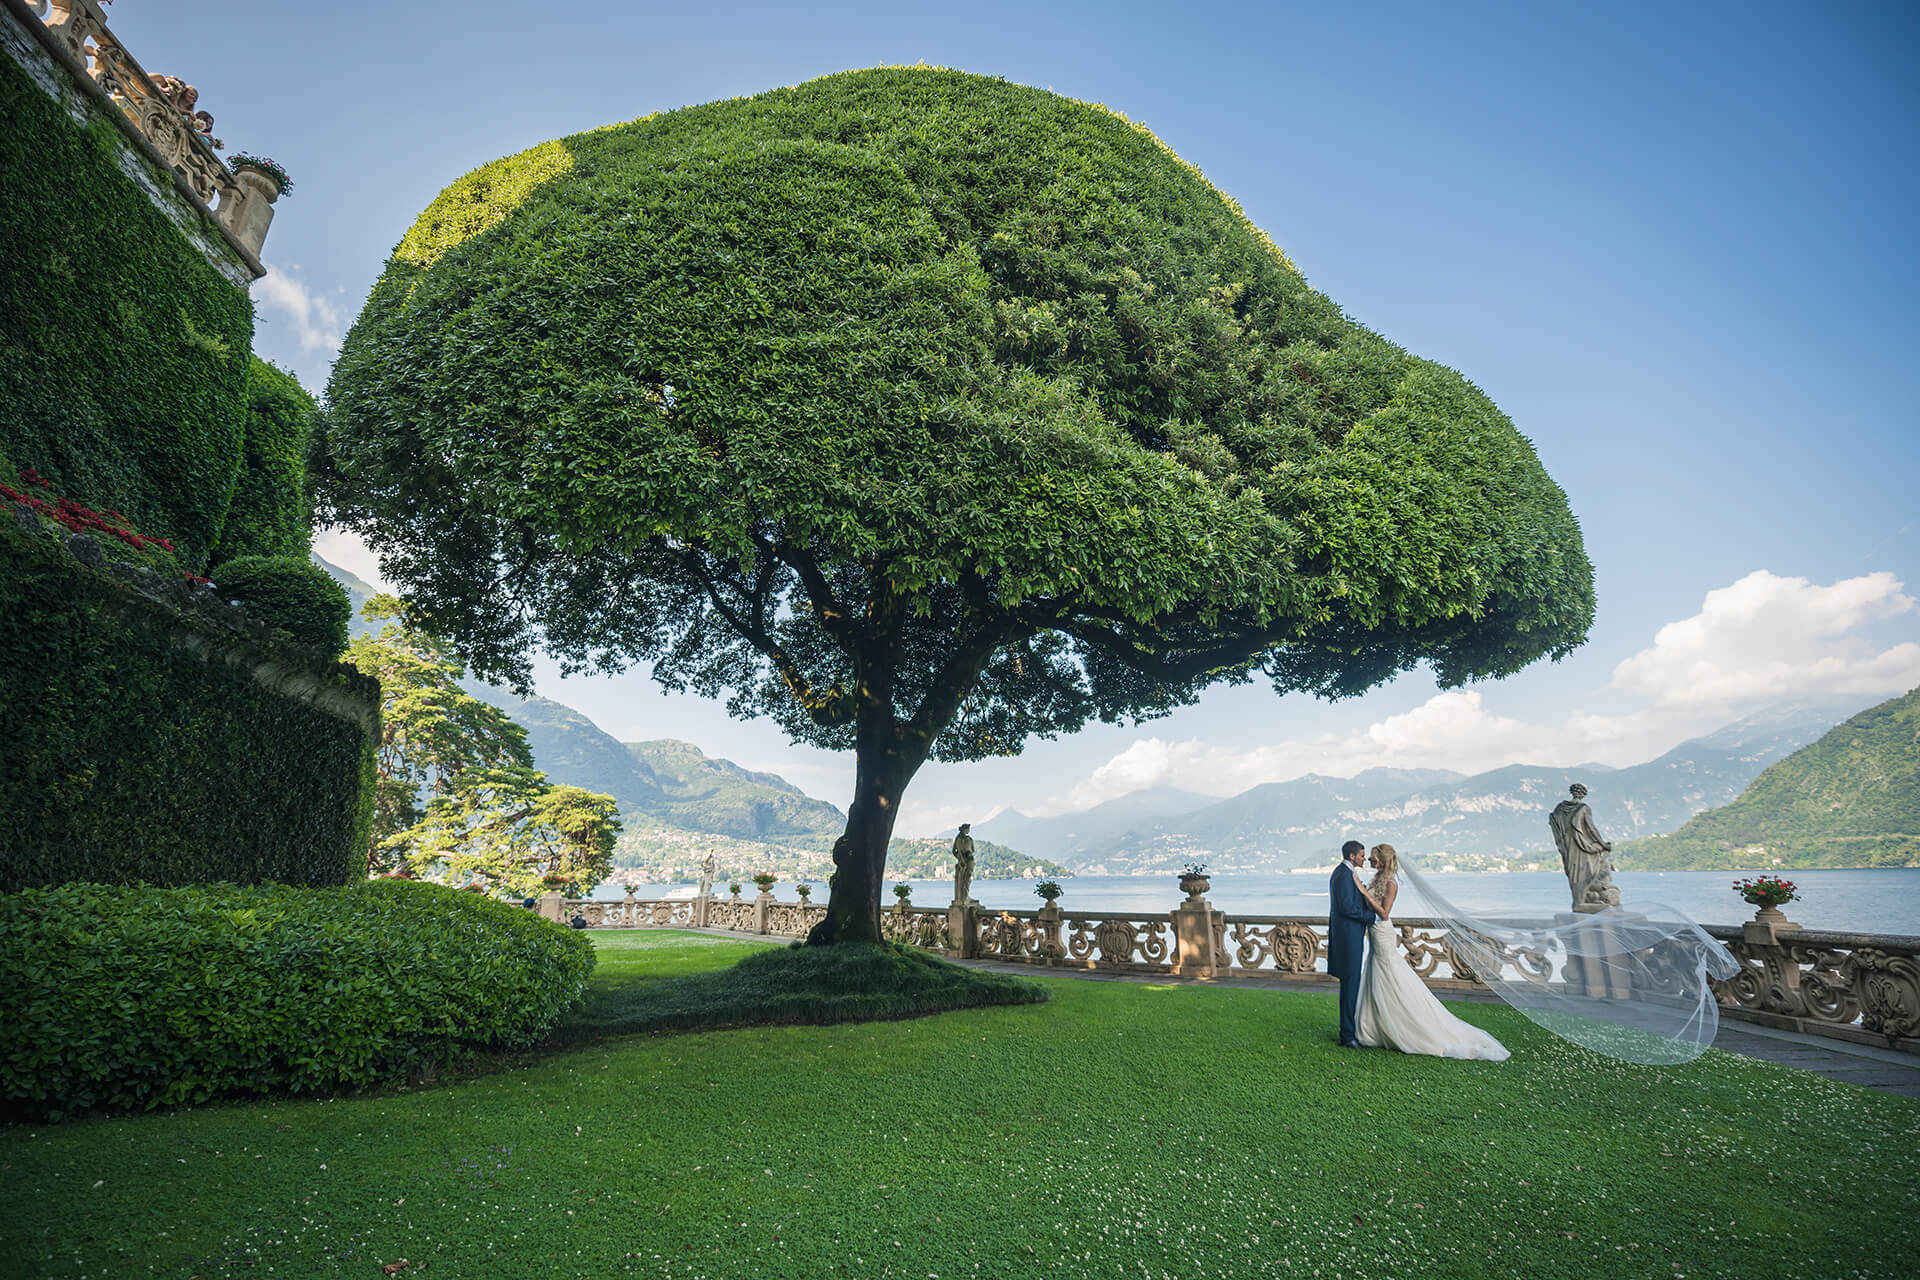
(134, 752)
(123, 352)
(295, 595)
(270, 511)
(120, 998)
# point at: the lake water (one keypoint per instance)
(1885, 900)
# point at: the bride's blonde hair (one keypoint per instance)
(1389, 860)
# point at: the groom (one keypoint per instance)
(1347, 937)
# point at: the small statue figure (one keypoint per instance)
(963, 864)
(182, 97)
(1583, 854)
(706, 877)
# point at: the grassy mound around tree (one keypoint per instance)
(852, 982)
(118, 998)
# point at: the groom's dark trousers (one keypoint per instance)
(1346, 946)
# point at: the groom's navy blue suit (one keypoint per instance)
(1346, 945)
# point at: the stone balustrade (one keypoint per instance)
(76, 35)
(1851, 986)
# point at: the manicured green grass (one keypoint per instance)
(1118, 1130)
(645, 981)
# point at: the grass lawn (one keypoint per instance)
(1117, 1130)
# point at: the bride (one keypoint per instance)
(1396, 1009)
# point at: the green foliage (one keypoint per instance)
(270, 512)
(134, 752)
(509, 829)
(295, 595)
(1030, 1116)
(123, 353)
(118, 998)
(852, 982)
(924, 413)
(1000, 345)
(431, 730)
(1851, 799)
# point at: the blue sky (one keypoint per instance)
(1666, 239)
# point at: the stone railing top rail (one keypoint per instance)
(1825, 937)
(75, 32)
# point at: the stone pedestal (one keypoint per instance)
(1196, 927)
(1049, 919)
(1589, 974)
(553, 906)
(254, 214)
(701, 906)
(760, 905)
(963, 928)
(1766, 922)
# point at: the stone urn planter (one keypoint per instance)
(1194, 885)
(1773, 918)
(805, 891)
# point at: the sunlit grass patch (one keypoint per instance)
(1114, 1131)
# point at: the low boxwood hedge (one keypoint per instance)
(135, 997)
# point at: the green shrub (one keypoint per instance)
(117, 998)
(123, 352)
(297, 596)
(269, 512)
(134, 752)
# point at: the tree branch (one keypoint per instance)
(835, 707)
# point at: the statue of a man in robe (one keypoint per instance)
(706, 877)
(1583, 854)
(963, 864)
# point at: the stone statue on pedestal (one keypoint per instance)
(1583, 854)
(963, 865)
(706, 877)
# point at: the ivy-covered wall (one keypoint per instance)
(123, 352)
(270, 509)
(135, 747)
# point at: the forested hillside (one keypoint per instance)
(1851, 799)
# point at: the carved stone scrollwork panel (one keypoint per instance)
(1156, 942)
(1252, 945)
(1888, 990)
(1425, 950)
(1116, 939)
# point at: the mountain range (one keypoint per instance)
(1850, 799)
(1492, 819)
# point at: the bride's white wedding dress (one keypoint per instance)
(1398, 1012)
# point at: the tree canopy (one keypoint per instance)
(924, 413)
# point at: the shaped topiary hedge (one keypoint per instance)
(295, 595)
(119, 998)
(927, 414)
(269, 512)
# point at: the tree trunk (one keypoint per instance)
(881, 773)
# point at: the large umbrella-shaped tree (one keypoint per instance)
(924, 413)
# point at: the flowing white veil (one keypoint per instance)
(1629, 982)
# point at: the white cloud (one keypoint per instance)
(317, 321)
(1768, 637)
(1452, 730)
(1762, 639)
